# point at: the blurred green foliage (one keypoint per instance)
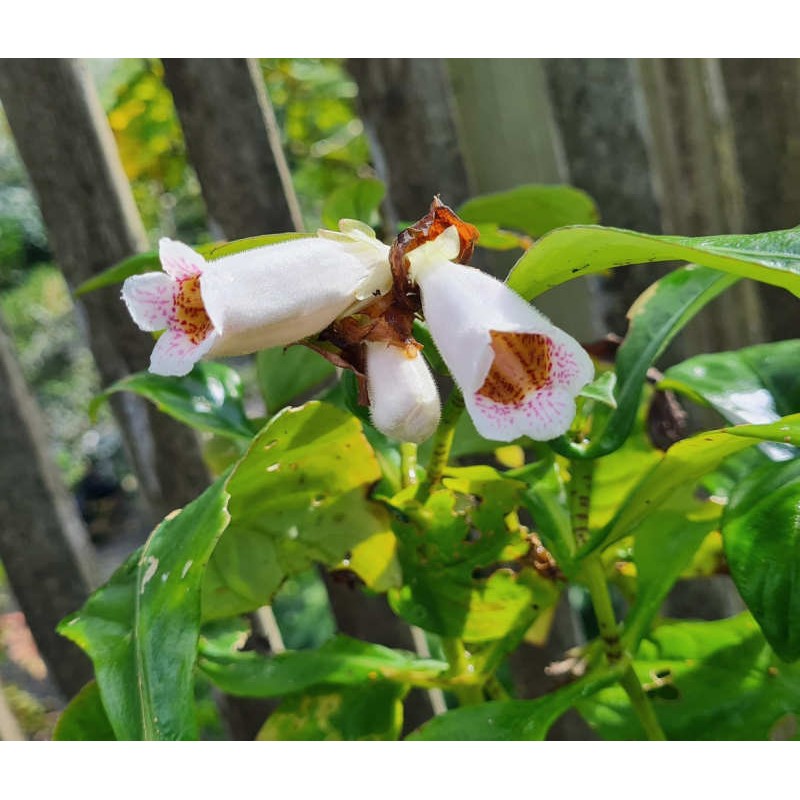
(58, 366)
(314, 101)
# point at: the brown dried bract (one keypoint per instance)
(383, 320)
(436, 221)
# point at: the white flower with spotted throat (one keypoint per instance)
(519, 373)
(265, 297)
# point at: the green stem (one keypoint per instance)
(459, 661)
(408, 464)
(593, 573)
(495, 690)
(642, 705)
(594, 576)
(580, 498)
(443, 440)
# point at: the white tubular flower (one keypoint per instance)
(518, 372)
(265, 297)
(404, 401)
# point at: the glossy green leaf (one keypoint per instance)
(149, 262)
(509, 720)
(458, 566)
(370, 712)
(761, 531)
(656, 318)
(342, 661)
(286, 373)
(664, 545)
(298, 496)
(573, 252)
(208, 399)
(360, 199)
(686, 462)
(756, 384)
(533, 209)
(141, 629)
(84, 719)
(707, 680)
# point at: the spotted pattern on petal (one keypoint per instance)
(189, 313)
(522, 364)
(542, 415)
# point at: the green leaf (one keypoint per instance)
(756, 384)
(135, 265)
(533, 209)
(573, 252)
(687, 461)
(84, 719)
(602, 389)
(492, 237)
(360, 199)
(546, 500)
(149, 262)
(208, 399)
(707, 680)
(298, 496)
(761, 532)
(342, 661)
(656, 318)
(141, 629)
(457, 561)
(509, 720)
(285, 373)
(617, 474)
(664, 546)
(371, 712)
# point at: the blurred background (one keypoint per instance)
(99, 159)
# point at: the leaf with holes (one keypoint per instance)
(298, 496)
(464, 570)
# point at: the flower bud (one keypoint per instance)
(404, 400)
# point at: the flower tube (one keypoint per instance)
(403, 398)
(265, 297)
(518, 372)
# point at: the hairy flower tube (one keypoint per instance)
(519, 373)
(403, 398)
(264, 297)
